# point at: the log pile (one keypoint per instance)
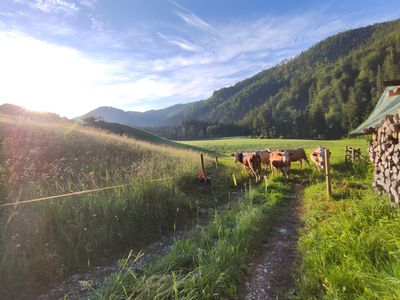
(351, 153)
(384, 152)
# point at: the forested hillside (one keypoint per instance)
(322, 93)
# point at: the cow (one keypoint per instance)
(252, 161)
(264, 156)
(298, 155)
(318, 157)
(280, 160)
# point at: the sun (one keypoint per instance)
(44, 77)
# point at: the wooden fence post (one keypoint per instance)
(346, 150)
(203, 172)
(353, 154)
(202, 164)
(216, 163)
(328, 174)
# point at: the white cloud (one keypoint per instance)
(181, 43)
(97, 25)
(88, 3)
(49, 6)
(190, 18)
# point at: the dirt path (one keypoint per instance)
(271, 272)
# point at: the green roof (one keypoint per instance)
(388, 104)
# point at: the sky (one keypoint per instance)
(71, 56)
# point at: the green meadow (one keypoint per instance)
(348, 246)
(226, 146)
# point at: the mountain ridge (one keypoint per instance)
(150, 118)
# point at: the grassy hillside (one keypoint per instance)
(136, 133)
(40, 242)
(322, 93)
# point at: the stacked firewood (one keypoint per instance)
(384, 152)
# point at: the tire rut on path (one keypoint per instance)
(270, 275)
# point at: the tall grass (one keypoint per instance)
(40, 242)
(211, 262)
(350, 246)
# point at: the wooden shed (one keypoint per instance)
(384, 147)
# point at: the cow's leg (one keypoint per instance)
(308, 163)
(273, 169)
(301, 164)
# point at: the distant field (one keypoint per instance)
(226, 146)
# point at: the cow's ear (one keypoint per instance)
(232, 154)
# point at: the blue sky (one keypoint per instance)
(71, 56)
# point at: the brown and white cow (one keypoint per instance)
(238, 157)
(252, 161)
(298, 155)
(318, 157)
(280, 160)
(264, 156)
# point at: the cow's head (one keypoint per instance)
(318, 157)
(238, 157)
